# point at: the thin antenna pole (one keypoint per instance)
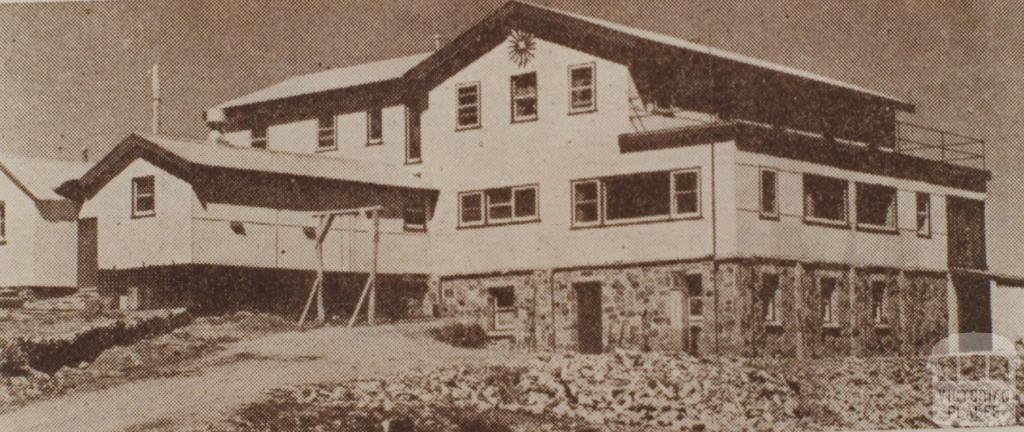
(155, 127)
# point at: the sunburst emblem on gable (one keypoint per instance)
(521, 46)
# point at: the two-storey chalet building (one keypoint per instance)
(572, 184)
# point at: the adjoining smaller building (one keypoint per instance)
(213, 227)
(37, 226)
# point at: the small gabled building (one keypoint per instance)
(213, 227)
(580, 184)
(38, 246)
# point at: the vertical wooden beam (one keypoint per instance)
(798, 285)
(371, 307)
(952, 315)
(851, 285)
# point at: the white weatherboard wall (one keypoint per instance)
(790, 237)
(127, 242)
(56, 253)
(16, 254)
(551, 152)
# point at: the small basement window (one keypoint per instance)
(876, 206)
(375, 126)
(924, 214)
(3, 222)
(769, 297)
(581, 88)
(769, 196)
(524, 97)
(503, 308)
(468, 106)
(143, 197)
(325, 133)
(258, 137)
(828, 300)
(825, 199)
(695, 296)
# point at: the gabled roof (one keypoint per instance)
(332, 79)
(181, 156)
(39, 177)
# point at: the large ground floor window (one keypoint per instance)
(636, 197)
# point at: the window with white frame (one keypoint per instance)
(828, 299)
(467, 115)
(325, 132)
(825, 199)
(258, 137)
(769, 297)
(503, 308)
(499, 206)
(769, 193)
(524, 97)
(695, 296)
(924, 214)
(3, 222)
(375, 126)
(878, 301)
(876, 206)
(143, 196)
(582, 88)
(471, 208)
(636, 197)
(414, 215)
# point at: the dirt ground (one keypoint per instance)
(203, 392)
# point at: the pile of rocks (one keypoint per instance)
(624, 388)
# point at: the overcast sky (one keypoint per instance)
(76, 74)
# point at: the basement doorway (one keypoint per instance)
(974, 311)
(589, 322)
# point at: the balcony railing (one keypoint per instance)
(935, 144)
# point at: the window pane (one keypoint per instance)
(524, 97)
(526, 202)
(825, 198)
(375, 124)
(499, 204)
(585, 195)
(526, 108)
(876, 205)
(471, 208)
(415, 216)
(582, 98)
(144, 204)
(582, 76)
(636, 196)
(924, 211)
(769, 204)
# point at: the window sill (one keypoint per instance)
(499, 224)
(414, 229)
(774, 325)
(582, 111)
(525, 120)
(828, 223)
(467, 128)
(882, 328)
(325, 149)
(627, 222)
(143, 215)
(769, 217)
(878, 229)
(500, 333)
(414, 162)
(375, 143)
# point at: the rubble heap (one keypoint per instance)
(624, 388)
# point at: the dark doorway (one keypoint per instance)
(974, 312)
(88, 259)
(589, 323)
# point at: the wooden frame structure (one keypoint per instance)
(369, 289)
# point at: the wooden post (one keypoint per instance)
(319, 287)
(371, 307)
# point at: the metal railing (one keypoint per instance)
(944, 146)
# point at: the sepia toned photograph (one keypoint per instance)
(511, 215)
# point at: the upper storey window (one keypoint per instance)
(876, 206)
(325, 133)
(581, 89)
(143, 196)
(825, 199)
(374, 126)
(413, 150)
(924, 214)
(258, 137)
(468, 100)
(524, 97)
(769, 202)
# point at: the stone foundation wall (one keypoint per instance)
(646, 307)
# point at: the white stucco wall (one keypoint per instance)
(56, 254)
(1007, 305)
(127, 242)
(790, 237)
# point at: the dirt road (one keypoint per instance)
(212, 387)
